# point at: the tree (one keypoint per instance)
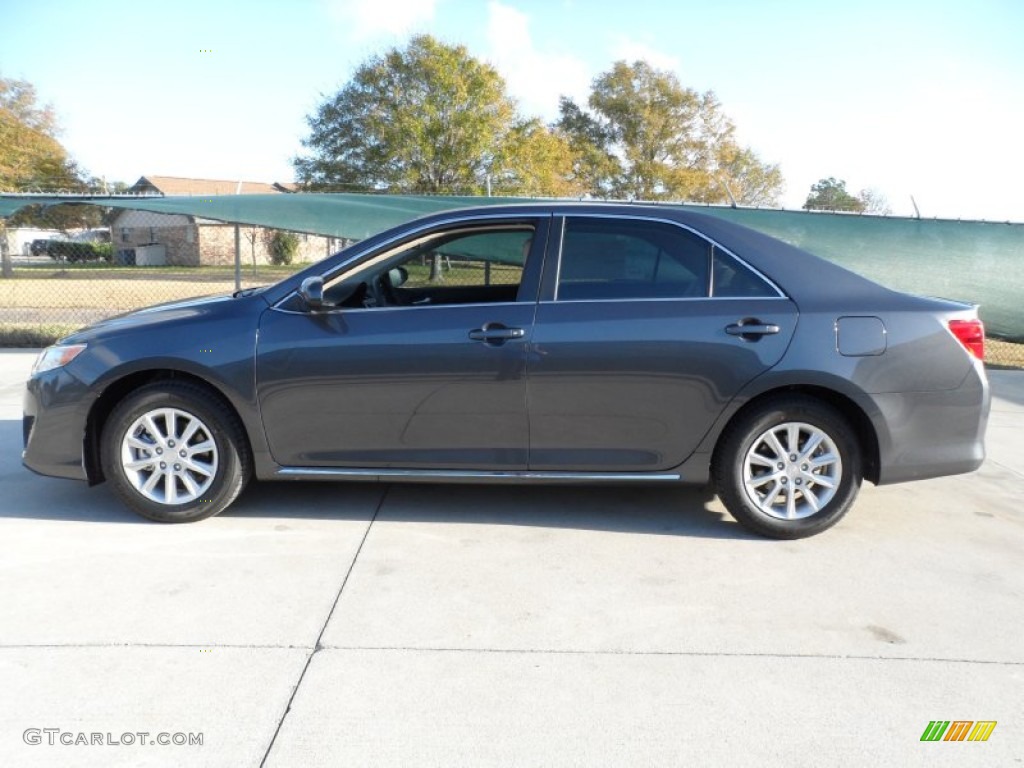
(646, 136)
(594, 167)
(874, 202)
(281, 246)
(31, 158)
(830, 195)
(425, 119)
(535, 161)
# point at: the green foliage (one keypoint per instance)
(73, 252)
(424, 119)
(282, 247)
(647, 137)
(31, 158)
(30, 335)
(536, 161)
(830, 195)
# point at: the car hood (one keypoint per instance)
(185, 309)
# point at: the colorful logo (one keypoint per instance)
(958, 730)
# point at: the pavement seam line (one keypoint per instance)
(317, 646)
(721, 654)
(1011, 470)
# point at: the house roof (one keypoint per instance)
(179, 186)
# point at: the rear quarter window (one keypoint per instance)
(734, 280)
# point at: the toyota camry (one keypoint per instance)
(558, 343)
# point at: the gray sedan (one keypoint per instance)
(568, 343)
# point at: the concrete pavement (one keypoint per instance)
(346, 624)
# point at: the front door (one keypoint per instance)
(419, 363)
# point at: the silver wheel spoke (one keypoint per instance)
(772, 495)
(811, 446)
(774, 444)
(203, 447)
(823, 480)
(791, 505)
(150, 426)
(763, 461)
(822, 461)
(139, 443)
(792, 438)
(811, 498)
(190, 430)
(199, 467)
(170, 488)
(190, 484)
(759, 480)
(150, 483)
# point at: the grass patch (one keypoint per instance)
(93, 270)
(123, 294)
(33, 335)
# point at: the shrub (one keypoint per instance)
(33, 335)
(282, 247)
(70, 251)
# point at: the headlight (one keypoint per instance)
(57, 356)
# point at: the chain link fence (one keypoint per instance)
(69, 266)
(60, 275)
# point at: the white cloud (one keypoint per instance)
(363, 20)
(535, 78)
(633, 50)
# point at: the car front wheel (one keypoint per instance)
(789, 467)
(174, 453)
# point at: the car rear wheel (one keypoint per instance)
(174, 453)
(789, 467)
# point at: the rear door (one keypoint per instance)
(634, 355)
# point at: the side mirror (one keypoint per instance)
(398, 276)
(312, 292)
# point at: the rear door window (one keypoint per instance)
(606, 258)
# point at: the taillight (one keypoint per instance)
(971, 334)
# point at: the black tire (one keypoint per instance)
(228, 458)
(748, 433)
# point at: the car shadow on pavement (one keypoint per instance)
(663, 511)
(657, 510)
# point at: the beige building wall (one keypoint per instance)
(177, 233)
(192, 242)
(217, 245)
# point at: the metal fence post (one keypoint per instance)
(238, 258)
(5, 257)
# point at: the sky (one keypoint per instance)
(909, 98)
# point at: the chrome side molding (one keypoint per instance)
(448, 475)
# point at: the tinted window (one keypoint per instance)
(631, 259)
(465, 266)
(475, 258)
(734, 280)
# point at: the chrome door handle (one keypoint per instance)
(496, 333)
(753, 329)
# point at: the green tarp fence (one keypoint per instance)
(976, 261)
